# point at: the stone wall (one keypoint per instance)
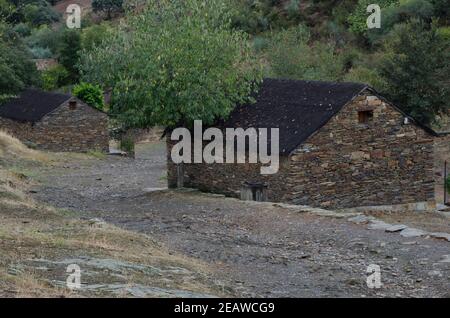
(442, 154)
(344, 164)
(348, 164)
(65, 129)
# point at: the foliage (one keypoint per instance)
(358, 18)
(7, 10)
(416, 70)
(41, 53)
(69, 53)
(291, 56)
(54, 77)
(44, 38)
(90, 94)
(16, 67)
(107, 6)
(255, 17)
(22, 29)
(94, 35)
(182, 62)
(39, 13)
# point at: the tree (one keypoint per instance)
(17, 69)
(107, 6)
(90, 94)
(181, 62)
(416, 69)
(69, 53)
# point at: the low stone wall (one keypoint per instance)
(345, 164)
(65, 129)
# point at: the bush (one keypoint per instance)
(22, 29)
(93, 36)
(54, 77)
(41, 53)
(90, 94)
(291, 56)
(39, 14)
(107, 6)
(44, 37)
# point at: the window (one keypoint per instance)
(365, 116)
(73, 104)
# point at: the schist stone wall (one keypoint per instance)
(68, 128)
(346, 163)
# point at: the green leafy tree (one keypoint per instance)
(90, 94)
(17, 69)
(181, 62)
(107, 6)
(69, 53)
(416, 69)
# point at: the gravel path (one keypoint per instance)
(261, 250)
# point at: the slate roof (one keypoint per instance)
(297, 108)
(32, 105)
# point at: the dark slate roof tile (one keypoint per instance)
(297, 108)
(32, 105)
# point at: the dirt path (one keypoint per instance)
(264, 251)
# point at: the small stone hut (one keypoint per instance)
(341, 145)
(55, 122)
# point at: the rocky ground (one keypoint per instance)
(263, 250)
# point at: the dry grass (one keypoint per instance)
(11, 147)
(30, 230)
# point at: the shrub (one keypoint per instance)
(39, 14)
(93, 36)
(22, 29)
(54, 77)
(291, 56)
(44, 37)
(41, 53)
(90, 94)
(107, 6)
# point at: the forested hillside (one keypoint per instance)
(407, 59)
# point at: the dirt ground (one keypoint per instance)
(259, 250)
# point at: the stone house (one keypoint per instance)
(55, 122)
(341, 145)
